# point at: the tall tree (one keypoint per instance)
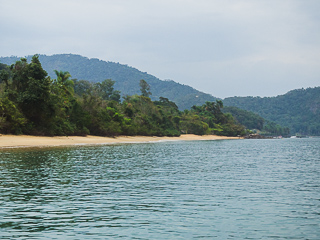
(106, 91)
(4, 76)
(145, 88)
(64, 82)
(31, 89)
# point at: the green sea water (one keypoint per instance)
(226, 189)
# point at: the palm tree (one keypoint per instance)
(64, 81)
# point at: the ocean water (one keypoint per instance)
(226, 189)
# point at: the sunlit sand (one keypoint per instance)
(8, 141)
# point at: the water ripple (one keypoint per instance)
(248, 189)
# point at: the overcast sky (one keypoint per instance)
(222, 47)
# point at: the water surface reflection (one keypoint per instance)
(258, 189)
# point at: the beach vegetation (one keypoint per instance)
(33, 103)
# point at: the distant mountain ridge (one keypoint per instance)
(127, 78)
(298, 109)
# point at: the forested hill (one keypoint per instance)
(127, 78)
(33, 103)
(298, 109)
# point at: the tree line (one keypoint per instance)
(33, 103)
(127, 78)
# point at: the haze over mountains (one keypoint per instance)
(298, 109)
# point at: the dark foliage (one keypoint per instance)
(126, 78)
(33, 103)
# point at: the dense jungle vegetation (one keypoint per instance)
(298, 110)
(126, 78)
(33, 103)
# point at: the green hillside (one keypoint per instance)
(33, 103)
(298, 109)
(127, 78)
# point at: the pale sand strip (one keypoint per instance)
(9, 141)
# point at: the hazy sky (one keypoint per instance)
(222, 47)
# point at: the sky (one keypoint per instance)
(222, 47)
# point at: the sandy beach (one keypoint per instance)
(14, 141)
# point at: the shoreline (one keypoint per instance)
(20, 141)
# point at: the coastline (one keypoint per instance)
(18, 141)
